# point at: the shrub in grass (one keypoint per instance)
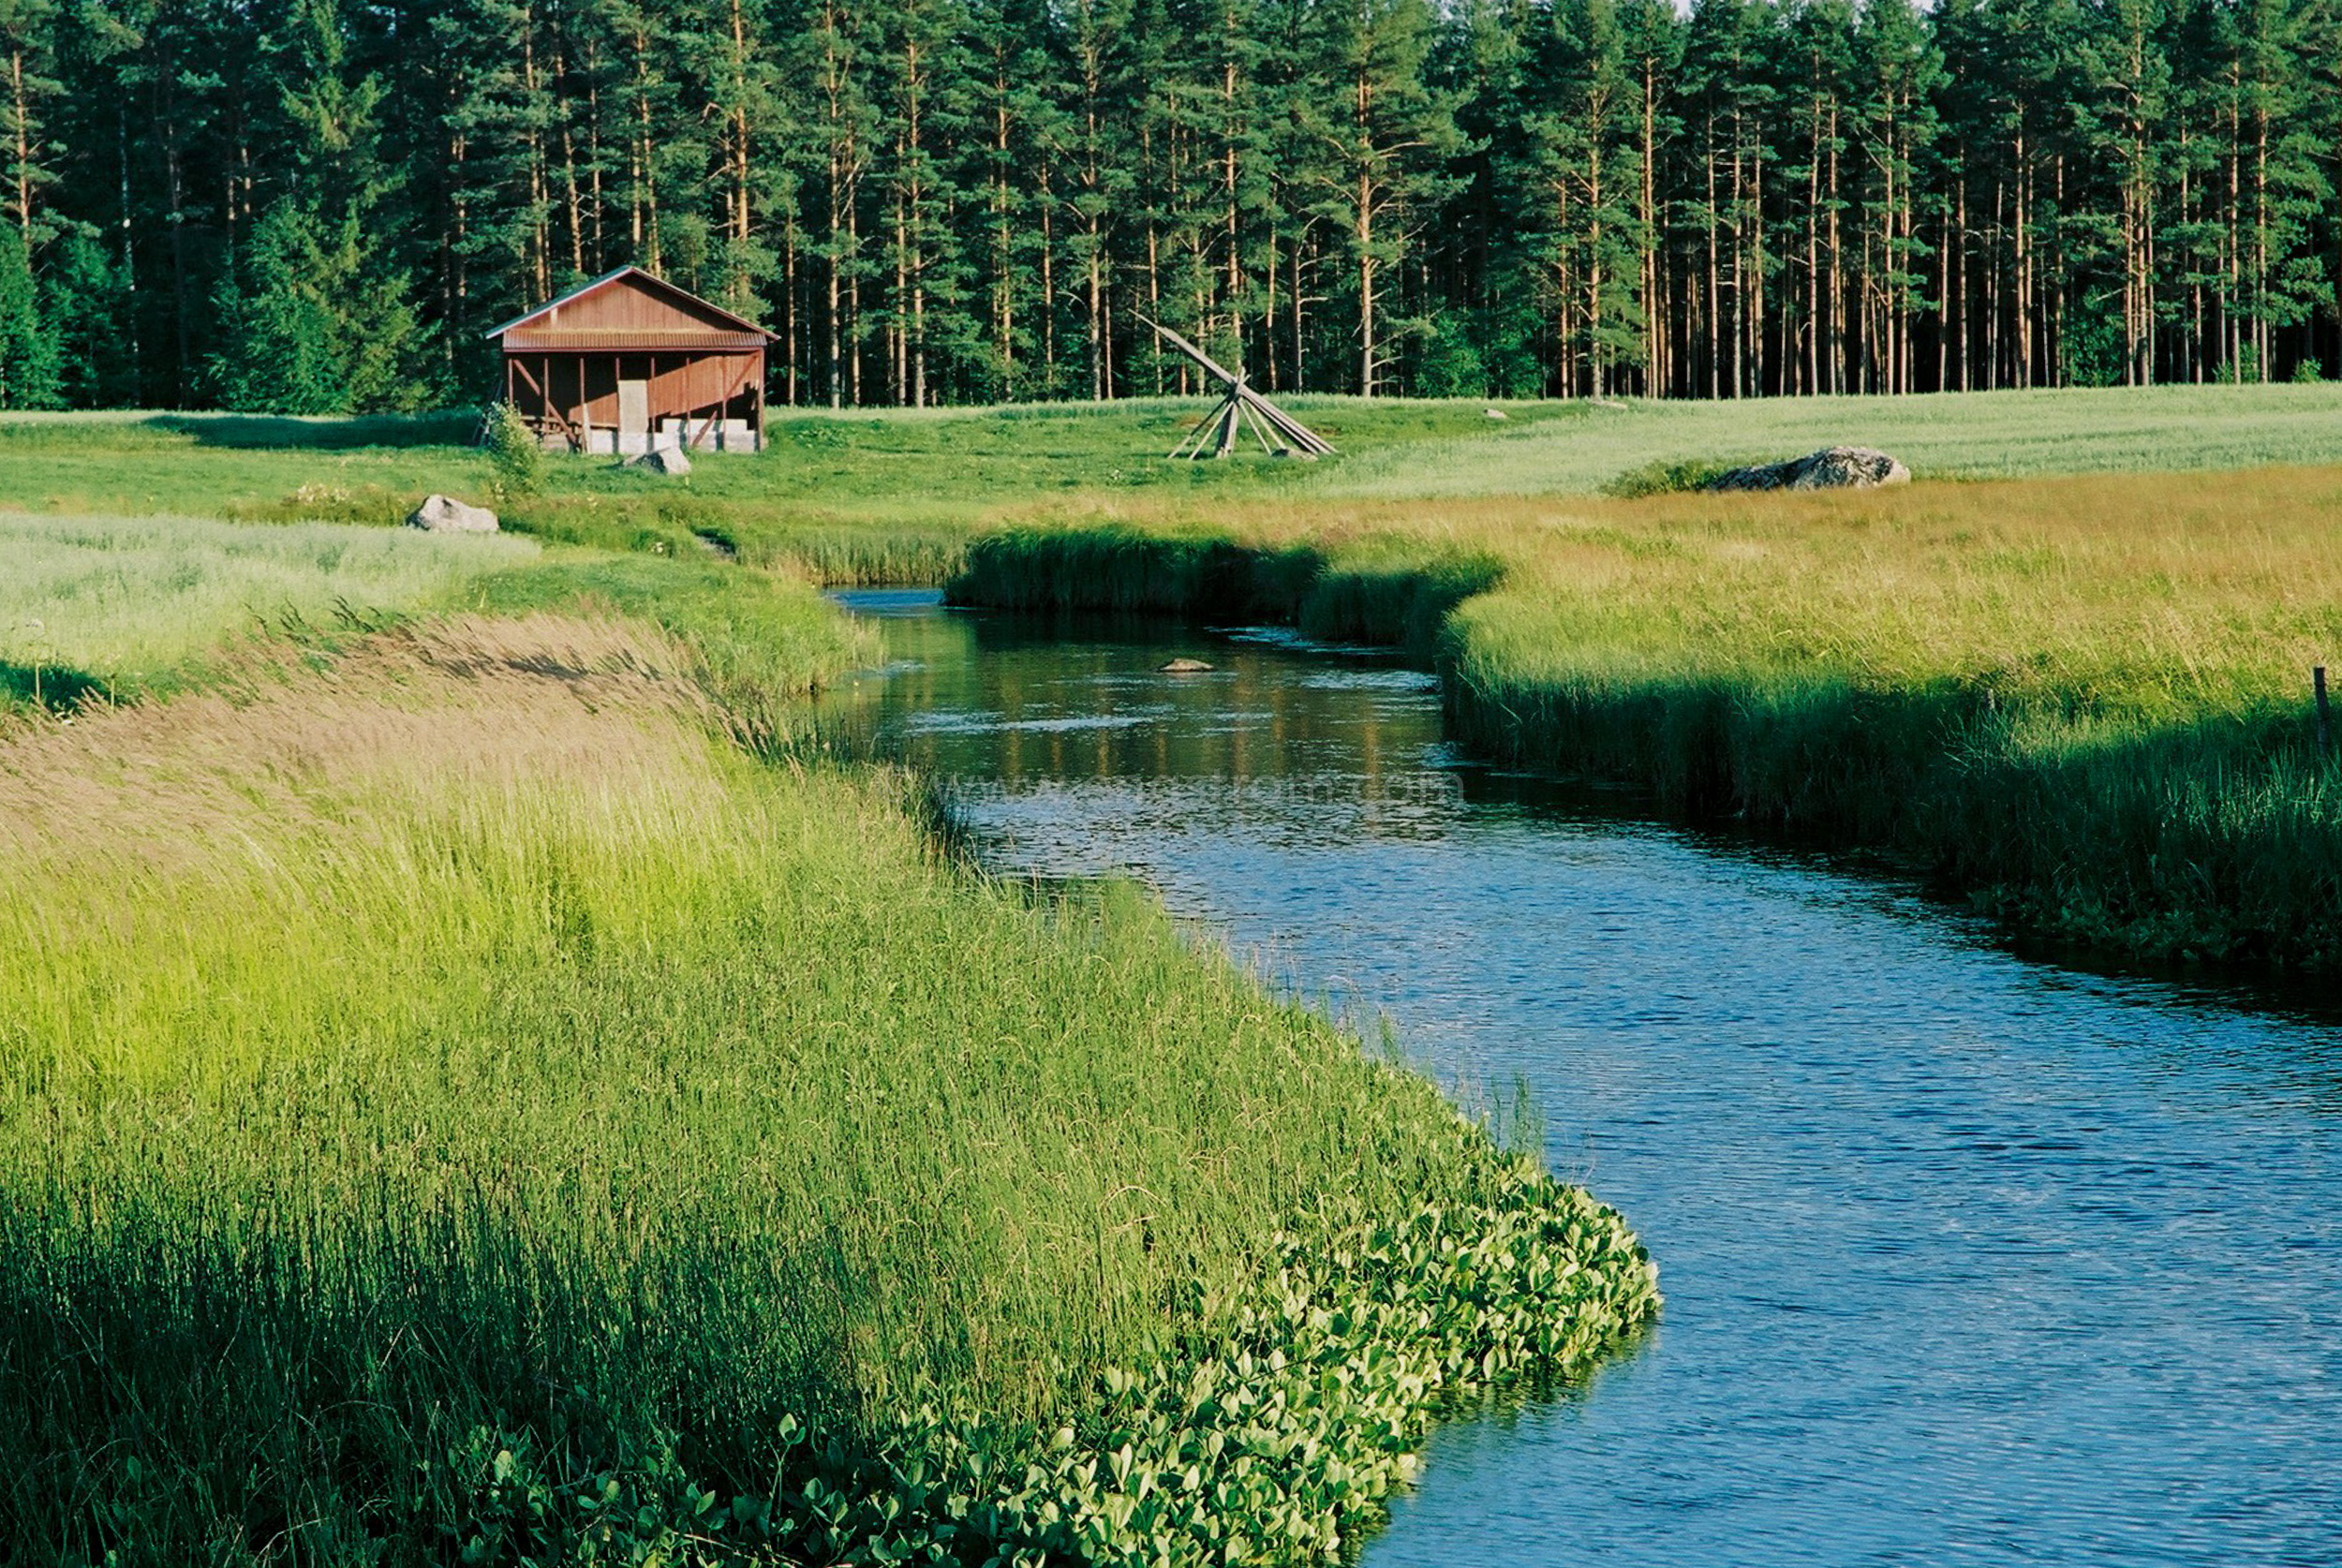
(514, 451)
(371, 506)
(1664, 476)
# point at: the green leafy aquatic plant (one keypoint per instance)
(1270, 1431)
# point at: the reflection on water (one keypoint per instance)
(1968, 1260)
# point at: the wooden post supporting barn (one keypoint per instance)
(628, 362)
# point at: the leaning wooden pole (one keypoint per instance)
(1240, 405)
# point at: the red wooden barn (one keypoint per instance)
(630, 362)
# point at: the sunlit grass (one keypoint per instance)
(122, 606)
(120, 598)
(454, 1036)
(1946, 436)
(455, 1100)
(862, 496)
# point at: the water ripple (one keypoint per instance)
(1969, 1260)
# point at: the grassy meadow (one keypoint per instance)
(473, 1089)
(477, 1089)
(118, 604)
(890, 496)
(861, 496)
(1951, 435)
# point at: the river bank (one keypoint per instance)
(2082, 704)
(1971, 1259)
(480, 1085)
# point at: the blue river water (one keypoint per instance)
(1968, 1259)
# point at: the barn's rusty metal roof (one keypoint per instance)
(627, 340)
(735, 332)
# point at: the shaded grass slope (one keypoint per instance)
(1380, 589)
(455, 1107)
(2083, 702)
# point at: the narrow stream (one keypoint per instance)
(1967, 1259)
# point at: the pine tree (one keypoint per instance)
(311, 321)
(1728, 47)
(734, 58)
(921, 98)
(1387, 136)
(834, 46)
(1577, 170)
(1088, 147)
(2284, 186)
(1896, 124)
(2124, 127)
(28, 346)
(27, 55)
(979, 199)
(89, 296)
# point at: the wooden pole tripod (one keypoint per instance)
(1216, 436)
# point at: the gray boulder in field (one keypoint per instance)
(1832, 468)
(445, 515)
(663, 460)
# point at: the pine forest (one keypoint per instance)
(318, 206)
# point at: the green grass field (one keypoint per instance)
(117, 603)
(471, 1090)
(562, 1120)
(889, 495)
(2130, 631)
(126, 607)
(2001, 435)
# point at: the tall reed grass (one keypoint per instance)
(2084, 700)
(124, 607)
(1378, 588)
(453, 1106)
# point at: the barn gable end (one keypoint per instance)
(632, 308)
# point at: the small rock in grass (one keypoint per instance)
(445, 515)
(663, 460)
(1185, 667)
(1832, 468)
